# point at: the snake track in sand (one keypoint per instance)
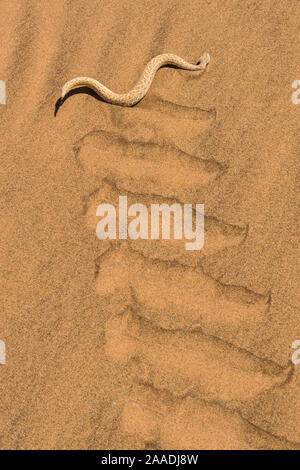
(143, 84)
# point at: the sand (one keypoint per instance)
(139, 345)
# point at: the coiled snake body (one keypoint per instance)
(143, 84)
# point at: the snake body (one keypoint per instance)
(143, 84)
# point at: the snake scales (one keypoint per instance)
(143, 84)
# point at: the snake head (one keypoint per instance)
(204, 60)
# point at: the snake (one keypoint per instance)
(140, 89)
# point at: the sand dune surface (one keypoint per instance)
(139, 344)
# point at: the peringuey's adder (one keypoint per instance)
(143, 84)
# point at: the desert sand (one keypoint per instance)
(142, 344)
